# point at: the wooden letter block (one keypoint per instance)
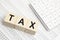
(10, 18)
(22, 23)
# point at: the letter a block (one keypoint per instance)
(22, 23)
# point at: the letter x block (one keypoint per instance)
(22, 23)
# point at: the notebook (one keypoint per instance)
(47, 11)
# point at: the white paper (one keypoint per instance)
(10, 33)
(49, 11)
